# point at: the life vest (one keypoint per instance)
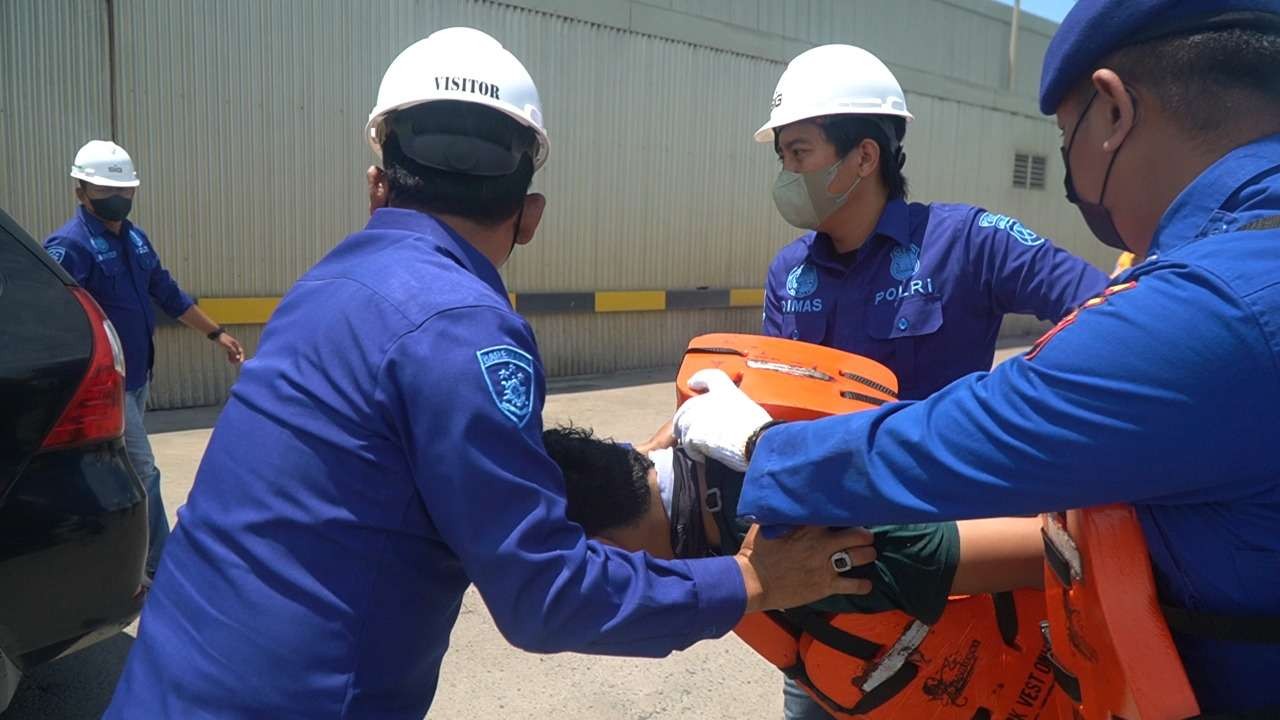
(1111, 647)
(986, 657)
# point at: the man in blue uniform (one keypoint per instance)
(116, 263)
(920, 288)
(1164, 392)
(383, 451)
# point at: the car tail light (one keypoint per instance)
(96, 412)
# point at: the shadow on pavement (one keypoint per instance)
(76, 687)
(196, 418)
(610, 381)
(202, 418)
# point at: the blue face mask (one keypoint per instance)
(803, 199)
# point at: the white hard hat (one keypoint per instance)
(102, 162)
(833, 80)
(462, 64)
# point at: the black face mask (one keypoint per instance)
(1097, 217)
(113, 208)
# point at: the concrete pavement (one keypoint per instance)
(482, 675)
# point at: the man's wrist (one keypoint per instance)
(751, 581)
(216, 333)
(750, 448)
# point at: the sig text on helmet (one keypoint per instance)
(468, 85)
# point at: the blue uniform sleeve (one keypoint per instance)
(1162, 393)
(165, 291)
(772, 303)
(465, 391)
(1022, 272)
(72, 255)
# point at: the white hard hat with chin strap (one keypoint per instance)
(102, 162)
(463, 65)
(834, 80)
(831, 80)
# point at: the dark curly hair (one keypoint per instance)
(607, 484)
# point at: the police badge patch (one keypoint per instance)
(904, 261)
(802, 281)
(508, 372)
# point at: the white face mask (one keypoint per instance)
(803, 199)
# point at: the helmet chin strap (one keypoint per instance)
(515, 233)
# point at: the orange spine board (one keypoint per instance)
(792, 380)
(1112, 636)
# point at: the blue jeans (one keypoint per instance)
(797, 705)
(138, 447)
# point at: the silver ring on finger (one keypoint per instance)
(841, 562)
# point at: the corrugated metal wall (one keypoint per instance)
(282, 94)
(53, 98)
(966, 40)
(250, 142)
(245, 120)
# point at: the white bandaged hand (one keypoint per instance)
(718, 423)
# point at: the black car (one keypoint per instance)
(73, 514)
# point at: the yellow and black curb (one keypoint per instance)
(256, 310)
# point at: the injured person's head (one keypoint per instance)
(659, 503)
(672, 507)
(613, 491)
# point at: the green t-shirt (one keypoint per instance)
(913, 570)
(914, 564)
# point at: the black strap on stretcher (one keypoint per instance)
(798, 620)
(1270, 713)
(1250, 629)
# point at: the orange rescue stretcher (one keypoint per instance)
(1112, 652)
(1081, 649)
(985, 658)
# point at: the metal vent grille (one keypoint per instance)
(1029, 171)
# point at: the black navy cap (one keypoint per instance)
(1095, 28)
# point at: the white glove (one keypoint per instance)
(718, 423)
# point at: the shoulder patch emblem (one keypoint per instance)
(57, 252)
(508, 372)
(138, 242)
(1020, 232)
(1071, 318)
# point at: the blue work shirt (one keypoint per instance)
(123, 273)
(927, 292)
(1164, 393)
(382, 451)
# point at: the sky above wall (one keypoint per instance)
(1054, 10)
